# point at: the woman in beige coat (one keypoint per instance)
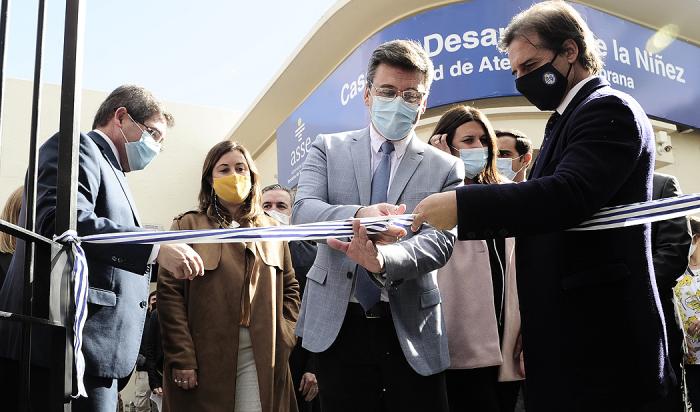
(478, 287)
(227, 335)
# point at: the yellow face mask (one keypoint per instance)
(233, 188)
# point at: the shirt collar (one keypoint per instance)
(111, 145)
(570, 96)
(400, 146)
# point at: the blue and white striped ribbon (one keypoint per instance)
(607, 218)
(79, 277)
(641, 213)
(308, 231)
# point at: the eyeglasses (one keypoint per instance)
(411, 96)
(155, 133)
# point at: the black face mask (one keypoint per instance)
(544, 87)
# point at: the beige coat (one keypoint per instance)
(200, 321)
(470, 320)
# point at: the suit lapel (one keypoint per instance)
(109, 155)
(361, 161)
(409, 163)
(545, 155)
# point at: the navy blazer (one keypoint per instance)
(592, 327)
(119, 275)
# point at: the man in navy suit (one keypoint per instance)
(592, 327)
(129, 129)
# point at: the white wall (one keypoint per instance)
(167, 187)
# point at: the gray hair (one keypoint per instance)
(139, 103)
(279, 187)
(555, 22)
(404, 54)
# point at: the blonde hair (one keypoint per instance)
(10, 213)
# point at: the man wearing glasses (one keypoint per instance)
(129, 128)
(371, 309)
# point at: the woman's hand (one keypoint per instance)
(308, 386)
(440, 142)
(185, 378)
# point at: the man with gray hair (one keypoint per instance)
(592, 327)
(371, 308)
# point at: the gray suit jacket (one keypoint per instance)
(335, 182)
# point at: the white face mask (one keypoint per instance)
(280, 217)
(474, 160)
(505, 167)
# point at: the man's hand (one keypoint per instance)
(439, 210)
(361, 249)
(180, 260)
(185, 378)
(308, 386)
(158, 391)
(393, 233)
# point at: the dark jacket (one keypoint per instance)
(154, 352)
(118, 274)
(592, 327)
(670, 241)
(5, 259)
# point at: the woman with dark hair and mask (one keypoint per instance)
(227, 335)
(478, 288)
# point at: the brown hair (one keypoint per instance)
(404, 54)
(10, 213)
(251, 209)
(694, 225)
(555, 22)
(139, 103)
(459, 115)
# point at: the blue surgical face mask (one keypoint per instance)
(393, 119)
(474, 160)
(505, 167)
(142, 152)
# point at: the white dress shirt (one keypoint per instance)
(376, 141)
(570, 96)
(156, 248)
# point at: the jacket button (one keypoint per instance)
(143, 304)
(349, 275)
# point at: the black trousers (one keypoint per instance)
(692, 379)
(366, 370)
(300, 362)
(478, 390)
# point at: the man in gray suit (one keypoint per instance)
(129, 128)
(372, 309)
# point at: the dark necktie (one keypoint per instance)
(366, 291)
(553, 119)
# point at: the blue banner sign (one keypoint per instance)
(462, 42)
